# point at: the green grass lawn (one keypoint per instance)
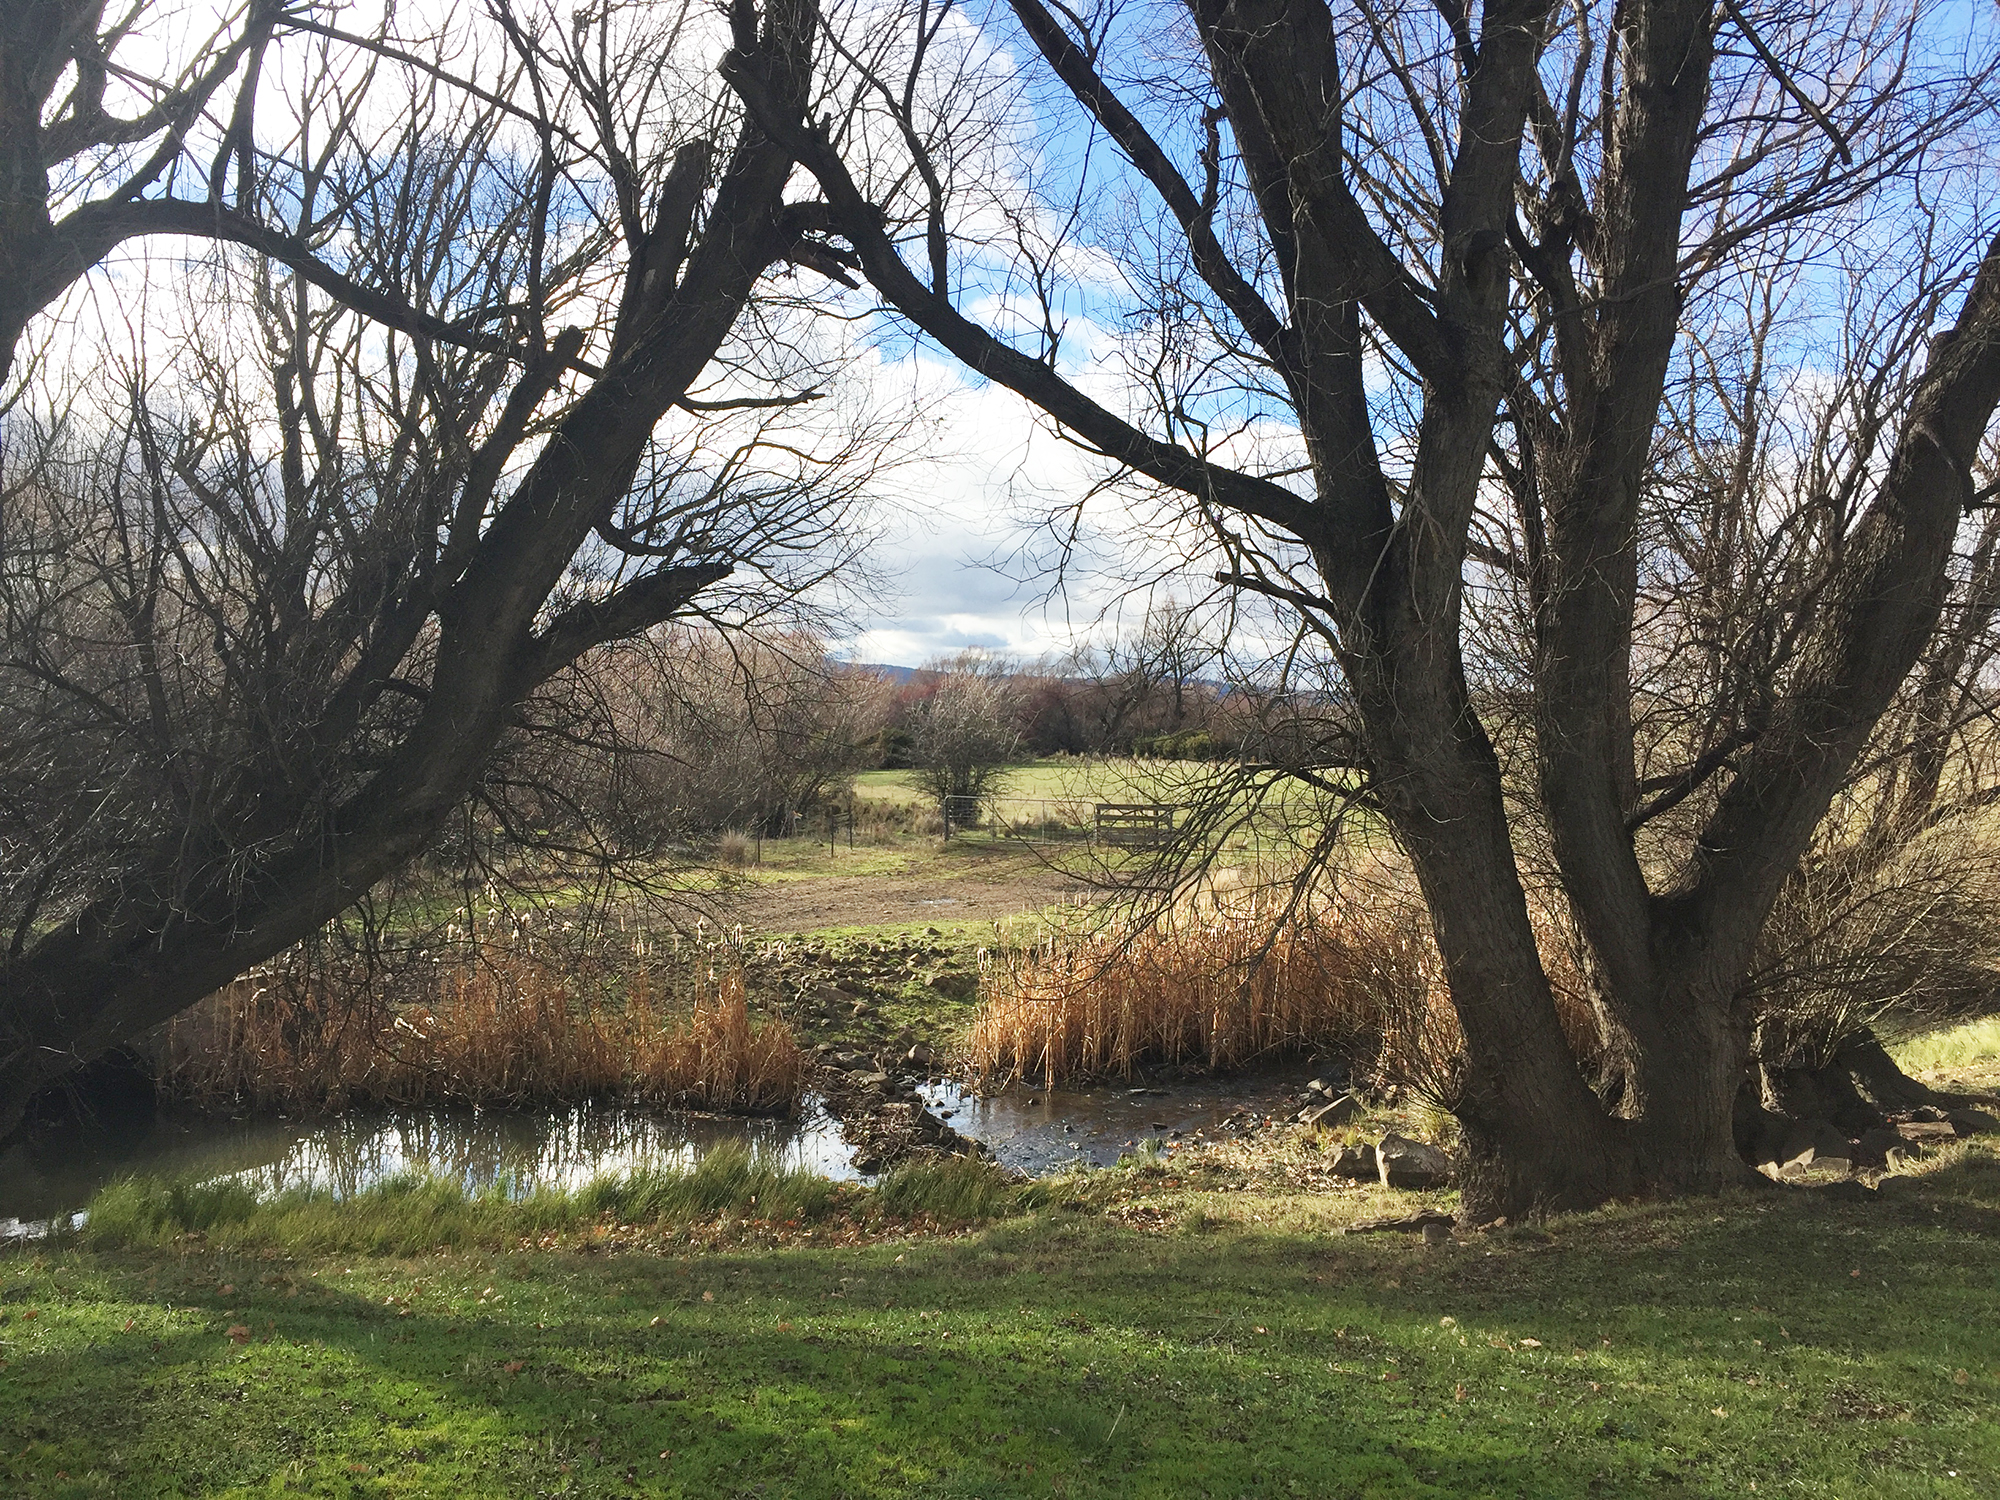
(1160, 1337)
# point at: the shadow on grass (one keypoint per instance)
(1665, 1349)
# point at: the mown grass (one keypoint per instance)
(1801, 1342)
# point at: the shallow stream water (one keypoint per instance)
(55, 1171)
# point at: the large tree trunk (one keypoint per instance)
(1536, 1136)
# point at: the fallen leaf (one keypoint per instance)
(128, 1328)
(33, 1312)
(1855, 1272)
(238, 1334)
(1718, 1411)
(1458, 1393)
(515, 1366)
(1531, 1343)
(230, 1291)
(656, 1322)
(708, 1296)
(1447, 1322)
(1958, 1377)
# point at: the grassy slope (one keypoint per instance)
(1795, 1341)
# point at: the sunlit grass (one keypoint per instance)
(1153, 1337)
(1969, 1045)
(410, 1214)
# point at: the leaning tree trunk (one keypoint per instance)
(280, 865)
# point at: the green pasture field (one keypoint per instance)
(1164, 1330)
(1080, 779)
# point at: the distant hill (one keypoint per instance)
(894, 674)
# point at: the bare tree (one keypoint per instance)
(962, 731)
(689, 731)
(1400, 275)
(267, 618)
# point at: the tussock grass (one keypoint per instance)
(1220, 992)
(506, 1028)
(411, 1215)
(728, 1181)
(952, 1190)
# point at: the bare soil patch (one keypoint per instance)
(1008, 887)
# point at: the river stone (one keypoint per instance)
(1403, 1163)
(1327, 1116)
(1968, 1122)
(1875, 1145)
(1357, 1162)
(1832, 1152)
(1795, 1152)
(1927, 1130)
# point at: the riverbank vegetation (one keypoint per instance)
(728, 1195)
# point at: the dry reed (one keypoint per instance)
(504, 1029)
(1219, 991)
(1222, 989)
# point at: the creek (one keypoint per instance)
(54, 1170)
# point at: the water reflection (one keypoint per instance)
(1030, 1130)
(57, 1171)
(1039, 1130)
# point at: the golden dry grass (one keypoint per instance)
(505, 1028)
